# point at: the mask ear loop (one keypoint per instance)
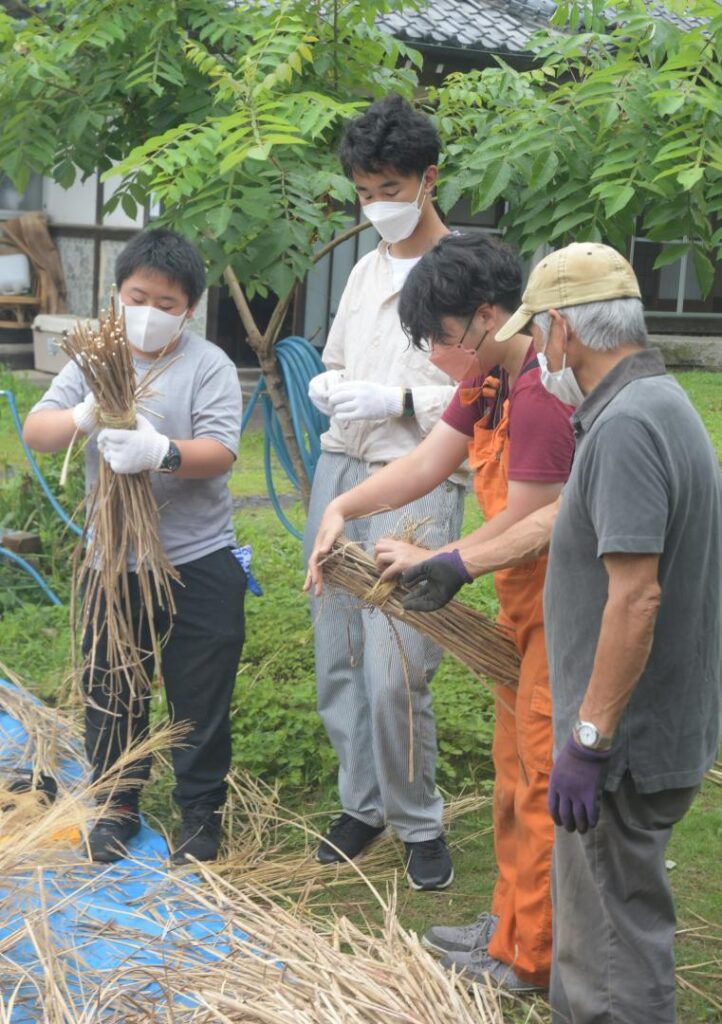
(421, 186)
(566, 342)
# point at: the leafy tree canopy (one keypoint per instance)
(226, 112)
(617, 132)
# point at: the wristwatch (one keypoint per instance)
(587, 735)
(408, 403)
(172, 461)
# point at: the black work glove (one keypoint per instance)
(434, 581)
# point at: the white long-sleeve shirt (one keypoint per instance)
(366, 342)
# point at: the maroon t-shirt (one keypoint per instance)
(541, 440)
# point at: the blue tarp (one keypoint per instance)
(96, 914)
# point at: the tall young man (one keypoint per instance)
(383, 398)
(187, 437)
(520, 445)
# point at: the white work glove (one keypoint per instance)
(85, 414)
(362, 400)
(133, 451)
(320, 388)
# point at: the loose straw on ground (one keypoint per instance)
(471, 637)
(122, 515)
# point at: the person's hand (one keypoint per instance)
(133, 451)
(434, 581)
(85, 414)
(394, 555)
(330, 528)
(362, 400)
(320, 388)
(575, 786)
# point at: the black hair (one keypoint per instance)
(389, 134)
(461, 273)
(165, 252)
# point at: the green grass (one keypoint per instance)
(276, 731)
(705, 392)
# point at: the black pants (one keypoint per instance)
(199, 663)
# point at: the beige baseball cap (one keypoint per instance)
(582, 272)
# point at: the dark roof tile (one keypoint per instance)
(488, 25)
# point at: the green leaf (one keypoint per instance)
(618, 201)
(493, 183)
(689, 178)
(542, 170)
(705, 271)
(669, 101)
(130, 207)
(671, 253)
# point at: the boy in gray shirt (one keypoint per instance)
(187, 437)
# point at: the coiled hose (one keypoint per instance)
(298, 362)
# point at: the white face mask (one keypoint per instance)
(560, 383)
(395, 221)
(150, 329)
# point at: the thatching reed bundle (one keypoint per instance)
(122, 514)
(471, 637)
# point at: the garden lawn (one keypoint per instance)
(276, 731)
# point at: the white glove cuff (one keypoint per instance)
(85, 416)
(157, 450)
(395, 401)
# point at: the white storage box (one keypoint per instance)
(14, 274)
(48, 329)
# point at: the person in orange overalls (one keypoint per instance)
(520, 445)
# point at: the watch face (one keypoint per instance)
(588, 734)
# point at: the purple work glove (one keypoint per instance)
(575, 786)
(434, 581)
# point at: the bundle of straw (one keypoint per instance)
(122, 514)
(474, 640)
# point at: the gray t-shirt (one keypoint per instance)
(645, 480)
(196, 395)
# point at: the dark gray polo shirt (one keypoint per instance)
(645, 480)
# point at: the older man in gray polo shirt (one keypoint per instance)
(632, 605)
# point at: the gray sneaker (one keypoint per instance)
(461, 938)
(479, 966)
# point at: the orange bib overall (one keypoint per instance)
(522, 746)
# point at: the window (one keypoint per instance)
(14, 203)
(673, 289)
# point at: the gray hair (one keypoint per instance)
(602, 326)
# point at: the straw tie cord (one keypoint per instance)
(133, 451)
(125, 420)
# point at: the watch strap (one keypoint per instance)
(172, 459)
(408, 409)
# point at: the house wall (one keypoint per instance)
(87, 239)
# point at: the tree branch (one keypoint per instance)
(255, 338)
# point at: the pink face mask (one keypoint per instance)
(457, 362)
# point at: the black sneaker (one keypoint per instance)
(200, 834)
(428, 864)
(108, 837)
(350, 835)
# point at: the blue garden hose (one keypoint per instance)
(31, 571)
(298, 362)
(44, 485)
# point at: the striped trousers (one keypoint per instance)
(375, 701)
